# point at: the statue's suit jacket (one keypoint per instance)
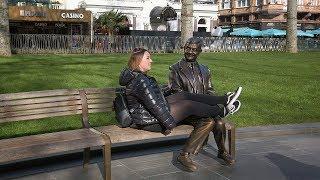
(181, 78)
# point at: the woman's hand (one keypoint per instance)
(166, 132)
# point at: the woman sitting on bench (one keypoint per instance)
(152, 111)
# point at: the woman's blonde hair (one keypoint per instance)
(135, 58)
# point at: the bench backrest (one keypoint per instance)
(51, 103)
(100, 99)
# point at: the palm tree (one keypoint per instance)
(186, 20)
(110, 22)
(5, 49)
(291, 38)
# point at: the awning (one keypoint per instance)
(246, 32)
(161, 14)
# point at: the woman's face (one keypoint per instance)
(145, 64)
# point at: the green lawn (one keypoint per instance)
(279, 88)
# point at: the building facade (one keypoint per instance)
(264, 14)
(140, 12)
(39, 18)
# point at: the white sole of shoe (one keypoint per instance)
(235, 110)
(234, 98)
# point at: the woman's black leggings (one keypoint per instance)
(184, 105)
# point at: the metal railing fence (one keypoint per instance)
(51, 43)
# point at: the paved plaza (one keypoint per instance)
(285, 157)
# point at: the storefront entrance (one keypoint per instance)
(76, 29)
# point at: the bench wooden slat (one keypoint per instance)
(100, 91)
(101, 96)
(99, 101)
(44, 144)
(100, 106)
(100, 110)
(39, 151)
(40, 111)
(43, 138)
(40, 116)
(39, 100)
(37, 106)
(33, 94)
(120, 135)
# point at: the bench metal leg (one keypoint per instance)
(86, 157)
(106, 154)
(107, 158)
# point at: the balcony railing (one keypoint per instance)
(307, 8)
(47, 5)
(273, 8)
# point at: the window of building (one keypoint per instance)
(259, 2)
(313, 2)
(225, 19)
(243, 3)
(38, 3)
(275, 1)
(300, 2)
(225, 4)
(202, 21)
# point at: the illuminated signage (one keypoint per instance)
(72, 15)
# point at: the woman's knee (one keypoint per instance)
(183, 95)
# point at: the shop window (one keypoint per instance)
(242, 18)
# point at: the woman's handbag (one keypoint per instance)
(121, 109)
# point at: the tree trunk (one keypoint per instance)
(5, 49)
(291, 40)
(186, 21)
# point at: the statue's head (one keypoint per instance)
(192, 48)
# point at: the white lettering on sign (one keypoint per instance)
(60, 25)
(32, 13)
(72, 15)
(40, 24)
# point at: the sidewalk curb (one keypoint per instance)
(277, 130)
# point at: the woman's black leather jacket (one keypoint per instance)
(145, 100)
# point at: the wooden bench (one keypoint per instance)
(42, 104)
